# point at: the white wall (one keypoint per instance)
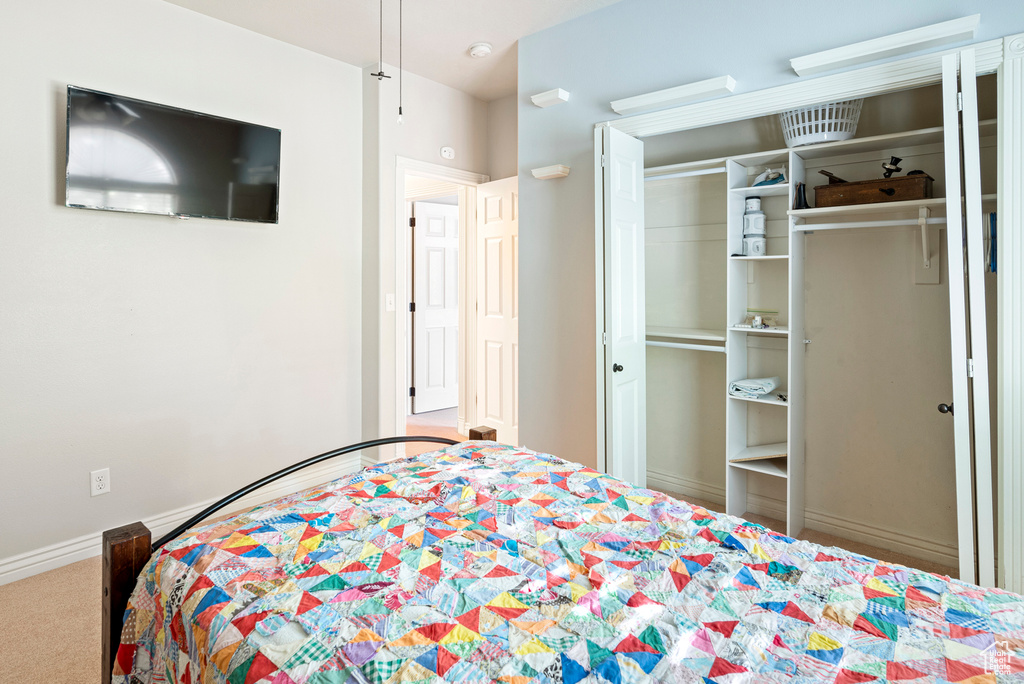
(189, 357)
(629, 48)
(434, 116)
(503, 137)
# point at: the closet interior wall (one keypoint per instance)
(879, 461)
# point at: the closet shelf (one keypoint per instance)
(761, 452)
(780, 332)
(876, 208)
(762, 191)
(777, 467)
(771, 398)
(886, 142)
(686, 333)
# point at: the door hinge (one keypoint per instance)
(412, 307)
(602, 161)
(959, 102)
(412, 222)
(604, 339)
(412, 391)
(970, 368)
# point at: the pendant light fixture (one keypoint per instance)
(380, 56)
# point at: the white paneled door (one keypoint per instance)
(498, 307)
(625, 360)
(435, 315)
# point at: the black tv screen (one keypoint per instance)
(130, 155)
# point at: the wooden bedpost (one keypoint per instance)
(126, 550)
(483, 432)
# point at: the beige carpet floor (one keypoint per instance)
(50, 623)
(50, 626)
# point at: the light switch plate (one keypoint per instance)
(389, 302)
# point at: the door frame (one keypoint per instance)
(467, 182)
(1002, 56)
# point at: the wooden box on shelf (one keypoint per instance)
(918, 186)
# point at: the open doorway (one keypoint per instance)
(483, 243)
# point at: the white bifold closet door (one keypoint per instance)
(625, 356)
(970, 405)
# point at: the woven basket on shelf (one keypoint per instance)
(820, 123)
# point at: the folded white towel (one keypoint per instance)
(753, 388)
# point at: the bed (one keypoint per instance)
(486, 563)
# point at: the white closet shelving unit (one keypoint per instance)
(766, 435)
(763, 435)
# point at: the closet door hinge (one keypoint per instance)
(412, 307)
(412, 222)
(604, 339)
(959, 101)
(412, 391)
(602, 161)
(970, 368)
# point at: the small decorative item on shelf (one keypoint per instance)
(800, 201)
(753, 388)
(770, 177)
(754, 243)
(760, 319)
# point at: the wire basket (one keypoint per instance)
(820, 123)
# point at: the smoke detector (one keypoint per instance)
(479, 50)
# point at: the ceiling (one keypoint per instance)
(436, 33)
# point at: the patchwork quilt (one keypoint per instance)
(484, 563)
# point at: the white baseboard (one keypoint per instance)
(33, 562)
(820, 521)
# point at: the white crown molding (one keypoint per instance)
(550, 97)
(33, 562)
(672, 97)
(912, 72)
(945, 33)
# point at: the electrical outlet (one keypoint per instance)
(99, 482)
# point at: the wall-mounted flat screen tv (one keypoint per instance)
(130, 155)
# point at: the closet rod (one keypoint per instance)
(810, 227)
(684, 345)
(686, 174)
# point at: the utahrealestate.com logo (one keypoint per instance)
(996, 658)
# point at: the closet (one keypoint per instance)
(858, 303)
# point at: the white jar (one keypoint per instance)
(753, 218)
(754, 246)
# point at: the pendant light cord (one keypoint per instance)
(380, 55)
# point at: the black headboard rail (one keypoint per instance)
(313, 460)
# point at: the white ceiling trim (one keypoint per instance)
(893, 76)
(903, 43)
